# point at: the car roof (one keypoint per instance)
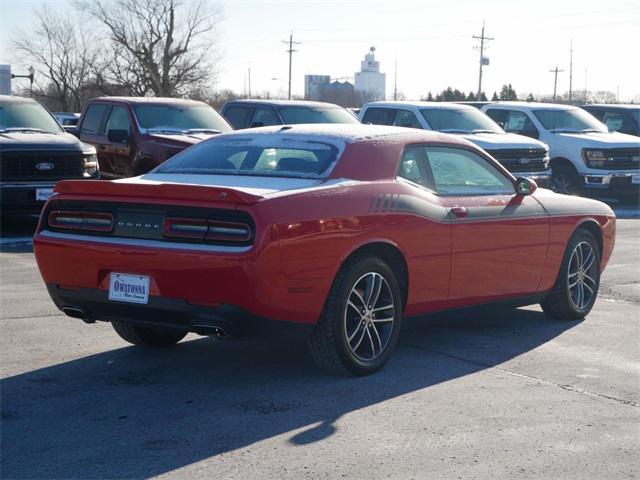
(351, 133)
(149, 100)
(620, 106)
(15, 99)
(287, 103)
(534, 105)
(417, 104)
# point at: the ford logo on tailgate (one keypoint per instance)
(45, 166)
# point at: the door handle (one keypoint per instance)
(460, 212)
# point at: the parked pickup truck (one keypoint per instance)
(35, 152)
(520, 155)
(584, 154)
(250, 113)
(135, 134)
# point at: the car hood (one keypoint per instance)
(16, 141)
(602, 139)
(186, 138)
(495, 141)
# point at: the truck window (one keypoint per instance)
(379, 116)
(238, 116)
(92, 120)
(263, 117)
(119, 120)
(405, 118)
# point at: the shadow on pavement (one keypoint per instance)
(134, 412)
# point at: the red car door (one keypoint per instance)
(499, 239)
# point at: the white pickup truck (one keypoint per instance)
(521, 155)
(584, 154)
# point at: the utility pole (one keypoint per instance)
(395, 80)
(290, 51)
(249, 79)
(483, 61)
(571, 71)
(555, 80)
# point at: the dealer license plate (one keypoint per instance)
(129, 288)
(635, 179)
(42, 194)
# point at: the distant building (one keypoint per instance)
(369, 82)
(313, 85)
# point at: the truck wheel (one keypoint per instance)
(360, 323)
(576, 288)
(142, 166)
(148, 336)
(564, 179)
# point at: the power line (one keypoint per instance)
(290, 51)
(555, 80)
(483, 61)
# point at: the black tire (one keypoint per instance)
(564, 179)
(560, 302)
(329, 345)
(142, 166)
(146, 336)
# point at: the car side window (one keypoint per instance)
(406, 118)
(519, 122)
(379, 116)
(119, 120)
(413, 167)
(237, 116)
(93, 116)
(263, 117)
(457, 171)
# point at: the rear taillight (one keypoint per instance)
(89, 221)
(212, 230)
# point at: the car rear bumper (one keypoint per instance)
(185, 280)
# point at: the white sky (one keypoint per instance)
(431, 41)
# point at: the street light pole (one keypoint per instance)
(31, 75)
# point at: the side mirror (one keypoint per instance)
(118, 136)
(525, 186)
(72, 129)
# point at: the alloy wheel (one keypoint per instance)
(368, 317)
(582, 275)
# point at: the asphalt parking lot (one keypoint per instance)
(492, 394)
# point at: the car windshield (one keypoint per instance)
(180, 119)
(296, 115)
(253, 156)
(571, 120)
(459, 120)
(26, 117)
(636, 116)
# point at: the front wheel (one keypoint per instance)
(576, 288)
(146, 336)
(360, 324)
(564, 179)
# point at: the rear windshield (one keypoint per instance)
(180, 119)
(26, 116)
(247, 156)
(296, 115)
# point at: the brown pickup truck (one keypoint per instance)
(132, 135)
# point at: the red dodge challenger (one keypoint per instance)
(346, 228)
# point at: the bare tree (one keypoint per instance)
(159, 47)
(62, 51)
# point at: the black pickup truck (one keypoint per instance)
(35, 152)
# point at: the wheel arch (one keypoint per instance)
(594, 229)
(392, 255)
(562, 161)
